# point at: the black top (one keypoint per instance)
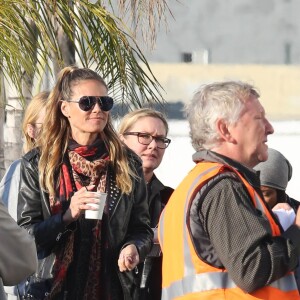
(158, 196)
(151, 270)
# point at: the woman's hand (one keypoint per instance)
(79, 203)
(128, 258)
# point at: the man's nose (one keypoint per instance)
(269, 127)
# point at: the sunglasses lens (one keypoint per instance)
(86, 103)
(106, 103)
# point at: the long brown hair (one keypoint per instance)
(53, 140)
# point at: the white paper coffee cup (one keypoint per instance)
(96, 214)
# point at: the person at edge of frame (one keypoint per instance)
(228, 243)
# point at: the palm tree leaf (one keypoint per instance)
(100, 40)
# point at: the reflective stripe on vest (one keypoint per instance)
(198, 283)
(195, 183)
(191, 282)
(188, 263)
(216, 280)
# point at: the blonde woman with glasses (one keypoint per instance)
(145, 132)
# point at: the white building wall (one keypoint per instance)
(231, 31)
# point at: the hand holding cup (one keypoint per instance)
(81, 201)
(96, 209)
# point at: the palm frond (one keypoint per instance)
(100, 40)
(144, 16)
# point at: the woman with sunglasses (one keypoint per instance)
(79, 153)
(144, 131)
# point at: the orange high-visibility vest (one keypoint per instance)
(185, 275)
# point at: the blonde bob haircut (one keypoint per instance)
(31, 115)
(132, 117)
(53, 140)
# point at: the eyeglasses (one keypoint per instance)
(87, 103)
(146, 139)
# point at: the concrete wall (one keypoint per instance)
(231, 31)
(279, 85)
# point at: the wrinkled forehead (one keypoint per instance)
(253, 104)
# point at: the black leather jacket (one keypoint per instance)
(127, 218)
(151, 280)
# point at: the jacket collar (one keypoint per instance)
(250, 175)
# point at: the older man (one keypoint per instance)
(218, 237)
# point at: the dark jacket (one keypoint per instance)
(127, 222)
(158, 196)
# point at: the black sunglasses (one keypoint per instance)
(87, 103)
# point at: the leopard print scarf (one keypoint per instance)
(87, 165)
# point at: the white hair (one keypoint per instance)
(220, 100)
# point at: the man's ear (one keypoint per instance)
(64, 107)
(224, 130)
